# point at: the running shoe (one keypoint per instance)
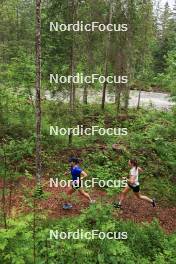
(153, 202)
(67, 206)
(92, 201)
(117, 205)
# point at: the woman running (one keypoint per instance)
(77, 175)
(133, 184)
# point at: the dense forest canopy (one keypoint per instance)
(151, 58)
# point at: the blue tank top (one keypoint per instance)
(75, 172)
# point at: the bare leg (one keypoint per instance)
(86, 195)
(69, 193)
(143, 197)
(123, 194)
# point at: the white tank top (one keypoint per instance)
(135, 172)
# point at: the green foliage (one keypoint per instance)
(167, 79)
(17, 242)
(147, 54)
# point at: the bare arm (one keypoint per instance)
(140, 169)
(66, 172)
(83, 174)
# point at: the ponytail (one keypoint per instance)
(134, 163)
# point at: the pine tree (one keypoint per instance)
(37, 89)
(108, 42)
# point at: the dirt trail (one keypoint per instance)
(140, 211)
(133, 209)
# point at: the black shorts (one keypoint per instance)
(135, 189)
(76, 186)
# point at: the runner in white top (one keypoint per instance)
(133, 184)
(134, 172)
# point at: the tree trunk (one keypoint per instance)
(17, 23)
(143, 55)
(120, 65)
(34, 230)
(85, 94)
(72, 92)
(72, 96)
(90, 60)
(129, 53)
(37, 90)
(139, 99)
(107, 57)
(117, 97)
(4, 190)
(72, 87)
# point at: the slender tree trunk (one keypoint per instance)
(34, 231)
(37, 89)
(72, 87)
(129, 58)
(107, 57)
(143, 54)
(104, 85)
(90, 61)
(4, 190)
(129, 54)
(117, 97)
(10, 196)
(119, 69)
(72, 95)
(72, 73)
(85, 94)
(17, 22)
(127, 90)
(46, 257)
(72, 55)
(139, 99)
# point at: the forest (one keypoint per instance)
(91, 85)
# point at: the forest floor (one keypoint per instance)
(133, 209)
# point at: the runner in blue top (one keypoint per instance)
(77, 175)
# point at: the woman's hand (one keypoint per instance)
(66, 173)
(131, 180)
